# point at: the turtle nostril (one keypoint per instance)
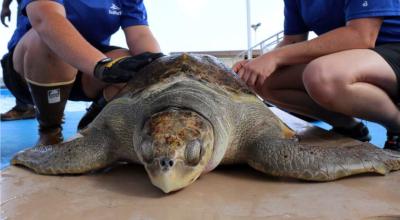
(166, 163)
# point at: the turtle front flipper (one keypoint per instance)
(288, 158)
(79, 155)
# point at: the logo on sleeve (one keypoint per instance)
(114, 10)
(365, 4)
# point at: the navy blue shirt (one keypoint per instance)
(96, 20)
(321, 16)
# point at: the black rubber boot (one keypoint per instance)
(359, 132)
(50, 103)
(92, 112)
(392, 141)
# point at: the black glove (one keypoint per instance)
(122, 69)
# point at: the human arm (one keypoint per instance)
(287, 40)
(142, 45)
(5, 12)
(292, 39)
(144, 48)
(48, 19)
(357, 34)
(140, 39)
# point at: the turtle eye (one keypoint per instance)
(193, 152)
(147, 149)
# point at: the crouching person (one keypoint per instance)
(62, 52)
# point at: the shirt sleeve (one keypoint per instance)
(294, 22)
(133, 13)
(25, 3)
(355, 9)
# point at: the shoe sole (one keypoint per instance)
(16, 119)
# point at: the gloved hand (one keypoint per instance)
(122, 69)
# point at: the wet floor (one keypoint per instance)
(230, 192)
(236, 192)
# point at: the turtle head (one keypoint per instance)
(176, 148)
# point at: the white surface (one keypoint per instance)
(181, 25)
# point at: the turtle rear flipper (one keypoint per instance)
(288, 158)
(79, 155)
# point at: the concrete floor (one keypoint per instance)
(233, 192)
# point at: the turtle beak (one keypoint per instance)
(166, 182)
(165, 176)
(171, 175)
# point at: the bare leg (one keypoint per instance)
(285, 89)
(50, 81)
(35, 61)
(355, 82)
(47, 73)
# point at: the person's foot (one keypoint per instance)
(359, 132)
(392, 141)
(18, 114)
(50, 136)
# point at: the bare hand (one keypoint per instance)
(5, 12)
(238, 65)
(255, 72)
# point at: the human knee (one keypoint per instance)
(322, 82)
(36, 49)
(35, 60)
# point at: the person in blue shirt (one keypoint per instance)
(21, 110)
(61, 51)
(351, 70)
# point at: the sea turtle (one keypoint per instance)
(182, 116)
